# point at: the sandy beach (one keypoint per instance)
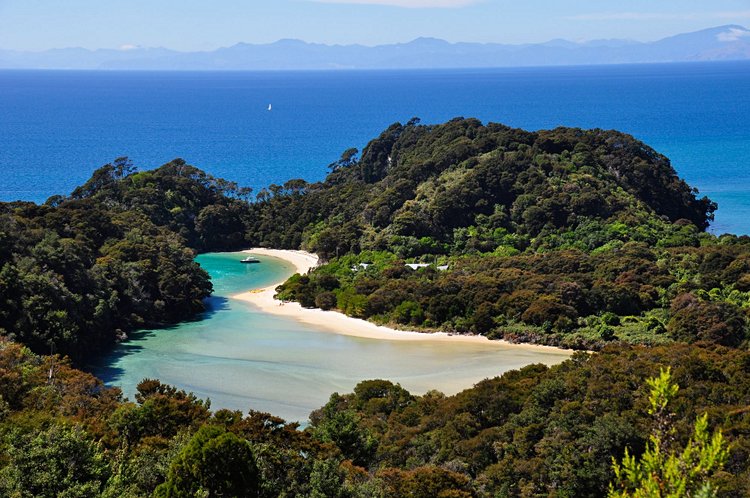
(333, 321)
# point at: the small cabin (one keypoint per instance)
(416, 266)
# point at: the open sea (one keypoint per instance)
(56, 127)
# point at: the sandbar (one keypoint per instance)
(336, 322)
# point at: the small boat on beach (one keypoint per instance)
(250, 259)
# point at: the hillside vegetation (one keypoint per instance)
(568, 237)
(572, 237)
(80, 271)
(463, 186)
(533, 432)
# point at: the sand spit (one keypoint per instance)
(333, 321)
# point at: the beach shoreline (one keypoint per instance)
(338, 323)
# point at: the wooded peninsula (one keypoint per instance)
(583, 239)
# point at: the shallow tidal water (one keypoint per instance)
(242, 358)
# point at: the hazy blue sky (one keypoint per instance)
(207, 24)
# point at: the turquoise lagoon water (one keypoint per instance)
(242, 358)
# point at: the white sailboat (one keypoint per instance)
(269, 107)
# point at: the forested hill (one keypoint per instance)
(80, 271)
(417, 188)
(568, 237)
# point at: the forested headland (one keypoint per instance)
(565, 237)
(581, 238)
(80, 271)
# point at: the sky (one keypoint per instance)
(191, 25)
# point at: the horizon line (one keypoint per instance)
(135, 47)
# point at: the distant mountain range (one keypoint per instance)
(729, 42)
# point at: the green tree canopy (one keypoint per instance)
(215, 463)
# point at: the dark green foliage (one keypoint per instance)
(380, 397)
(425, 482)
(568, 237)
(327, 480)
(338, 424)
(694, 320)
(665, 469)
(416, 187)
(78, 272)
(60, 462)
(161, 412)
(214, 463)
(569, 297)
(207, 212)
(325, 300)
(62, 433)
(548, 431)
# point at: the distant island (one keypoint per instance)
(722, 43)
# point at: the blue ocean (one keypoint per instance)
(56, 127)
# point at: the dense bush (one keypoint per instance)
(467, 187)
(537, 431)
(542, 234)
(77, 273)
